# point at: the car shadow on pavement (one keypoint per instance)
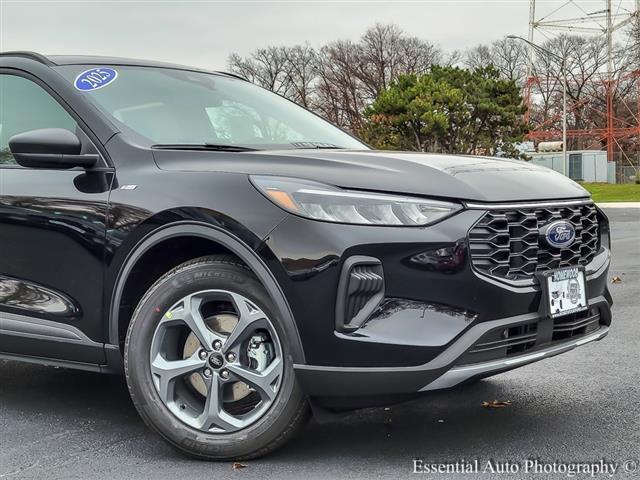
(450, 424)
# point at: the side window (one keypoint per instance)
(25, 106)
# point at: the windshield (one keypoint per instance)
(180, 107)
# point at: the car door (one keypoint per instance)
(52, 236)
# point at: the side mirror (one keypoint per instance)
(49, 148)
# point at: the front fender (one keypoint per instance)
(226, 239)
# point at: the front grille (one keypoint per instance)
(506, 243)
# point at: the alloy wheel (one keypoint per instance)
(216, 361)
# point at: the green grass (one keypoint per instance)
(607, 192)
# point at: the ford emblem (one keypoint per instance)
(560, 234)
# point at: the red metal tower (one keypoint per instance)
(613, 121)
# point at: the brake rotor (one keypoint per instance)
(222, 323)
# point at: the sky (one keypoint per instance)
(204, 33)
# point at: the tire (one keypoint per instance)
(285, 414)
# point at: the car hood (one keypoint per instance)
(475, 178)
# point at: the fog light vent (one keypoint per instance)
(360, 291)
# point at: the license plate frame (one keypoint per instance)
(564, 291)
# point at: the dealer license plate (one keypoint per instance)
(566, 291)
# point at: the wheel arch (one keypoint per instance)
(227, 241)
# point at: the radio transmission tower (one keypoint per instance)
(613, 109)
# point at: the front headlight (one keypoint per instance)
(331, 204)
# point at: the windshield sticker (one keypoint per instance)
(95, 79)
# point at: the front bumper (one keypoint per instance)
(461, 374)
(433, 314)
(443, 371)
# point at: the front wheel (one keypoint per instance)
(207, 363)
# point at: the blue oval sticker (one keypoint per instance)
(95, 78)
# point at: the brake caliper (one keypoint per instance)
(260, 352)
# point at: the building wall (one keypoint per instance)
(611, 172)
(594, 163)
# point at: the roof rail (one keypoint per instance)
(30, 55)
(229, 74)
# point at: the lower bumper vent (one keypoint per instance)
(516, 340)
(576, 325)
(360, 291)
(502, 343)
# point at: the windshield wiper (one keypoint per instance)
(321, 145)
(214, 147)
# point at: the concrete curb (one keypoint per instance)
(619, 205)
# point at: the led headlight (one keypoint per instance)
(331, 204)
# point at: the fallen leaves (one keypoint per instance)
(238, 466)
(616, 279)
(496, 404)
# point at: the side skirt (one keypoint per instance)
(46, 342)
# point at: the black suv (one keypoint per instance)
(244, 262)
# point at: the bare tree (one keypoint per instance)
(385, 52)
(340, 79)
(511, 59)
(267, 67)
(507, 55)
(339, 88)
(478, 57)
(635, 41)
(585, 59)
(302, 72)
(451, 59)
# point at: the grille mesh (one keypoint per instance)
(506, 243)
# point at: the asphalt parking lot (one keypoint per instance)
(583, 406)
